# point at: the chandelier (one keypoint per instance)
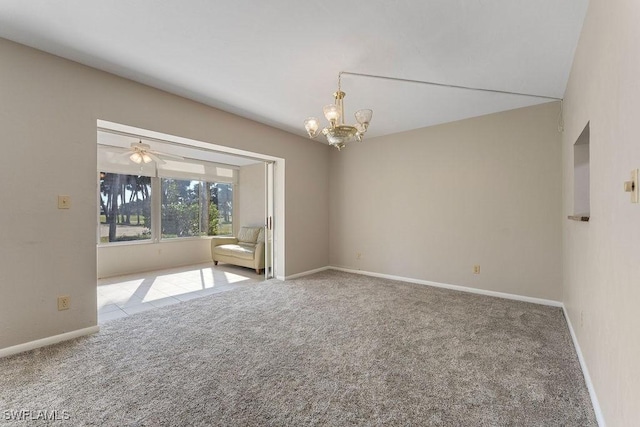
(337, 133)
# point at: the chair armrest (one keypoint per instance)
(223, 240)
(258, 256)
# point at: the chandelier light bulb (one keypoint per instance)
(332, 113)
(312, 125)
(364, 117)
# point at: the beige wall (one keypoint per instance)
(601, 257)
(118, 259)
(48, 119)
(429, 204)
(251, 195)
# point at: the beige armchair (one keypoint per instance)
(246, 250)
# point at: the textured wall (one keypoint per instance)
(431, 203)
(48, 119)
(601, 257)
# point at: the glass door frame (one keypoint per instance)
(269, 227)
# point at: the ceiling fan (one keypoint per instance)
(139, 153)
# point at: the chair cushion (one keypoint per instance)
(249, 234)
(237, 251)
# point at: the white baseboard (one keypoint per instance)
(306, 273)
(454, 287)
(587, 378)
(8, 351)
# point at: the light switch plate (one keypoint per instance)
(64, 202)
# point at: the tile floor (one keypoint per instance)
(126, 295)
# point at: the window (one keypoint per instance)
(190, 198)
(125, 207)
(222, 198)
(195, 208)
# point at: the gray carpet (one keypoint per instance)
(328, 349)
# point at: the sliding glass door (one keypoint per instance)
(269, 223)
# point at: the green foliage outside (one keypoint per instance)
(225, 229)
(212, 228)
(188, 208)
(180, 220)
(183, 209)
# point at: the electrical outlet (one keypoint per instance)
(476, 269)
(358, 255)
(64, 303)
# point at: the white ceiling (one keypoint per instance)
(172, 149)
(277, 61)
(122, 136)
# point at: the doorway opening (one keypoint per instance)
(162, 199)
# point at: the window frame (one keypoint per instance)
(156, 213)
(112, 160)
(203, 183)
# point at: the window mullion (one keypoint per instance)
(156, 201)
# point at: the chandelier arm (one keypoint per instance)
(479, 89)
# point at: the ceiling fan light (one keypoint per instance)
(136, 158)
(146, 158)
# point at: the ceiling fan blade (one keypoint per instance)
(155, 158)
(168, 156)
